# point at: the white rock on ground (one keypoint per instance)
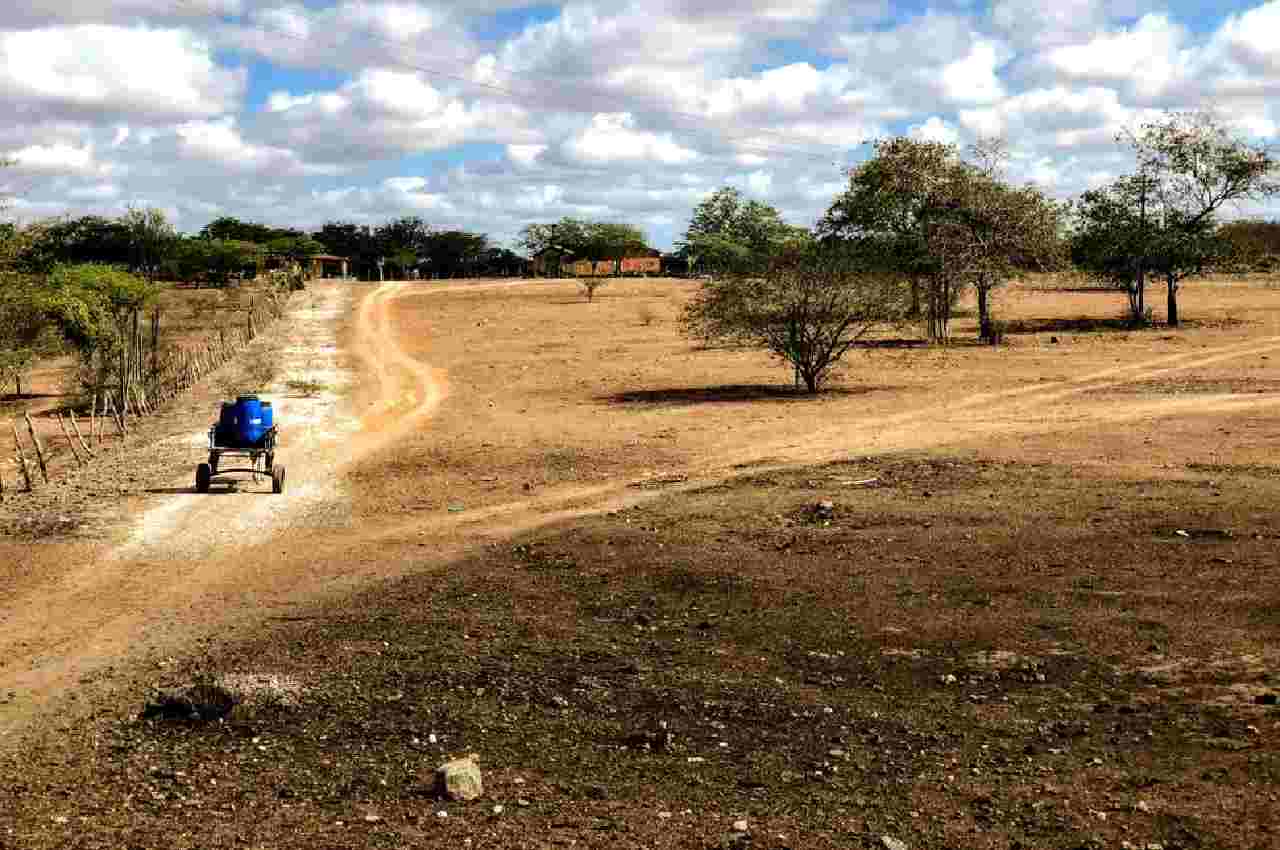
(459, 779)
(891, 843)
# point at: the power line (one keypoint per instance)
(518, 97)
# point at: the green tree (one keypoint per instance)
(557, 242)
(728, 233)
(988, 230)
(1160, 220)
(809, 309)
(95, 308)
(25, 333)
(294, 247)
(356, 242)
(940, 223)
(890, 202)
(454, 253)
(235, 230)
(151, 239)
(215, 260)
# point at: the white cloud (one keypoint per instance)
(95, 192)
(935, 130)
(1149, 57)
(35, 13)
(1035, 23)
(1058, 117)
(58, 158)
(101, 70)
(525, 155)
(221, 143)
(760, 183)
(972, 78)
(383, 113)
(612, 137)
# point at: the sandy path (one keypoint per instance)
(192, 564)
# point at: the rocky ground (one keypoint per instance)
(901, 651)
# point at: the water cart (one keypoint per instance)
(244, 430)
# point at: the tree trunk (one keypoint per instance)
(1139, 302)
(984, 314)
(914, 311)
(1173, 300)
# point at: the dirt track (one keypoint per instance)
(191, 566)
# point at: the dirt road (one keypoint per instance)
(192, 566)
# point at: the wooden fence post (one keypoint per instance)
(35, 438)
(71, 444)
(119, 420)
(88, 451)
(22, 457)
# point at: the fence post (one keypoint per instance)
(88, 451)
(35, 438)
(22, 457)
(119, 420)
(74, 451)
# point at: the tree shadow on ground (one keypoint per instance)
(9, 398)
(892, 343)
(735, 393)
(1081, 324)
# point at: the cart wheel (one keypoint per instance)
(203, 474)
(277, 480)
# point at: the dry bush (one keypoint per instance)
(306, 387)
(262, 365)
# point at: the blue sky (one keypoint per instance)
(490, 115)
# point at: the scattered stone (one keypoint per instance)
(459, 780)
(888, 842)
(1144, 807)
(371, 818)
(824, 510)
(200, 702)
(664, 815)
(498, 809)
(522, 802)
(741, 826)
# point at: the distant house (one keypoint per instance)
(637, 260)
(641, 261)
(313, 265)
(325, 265)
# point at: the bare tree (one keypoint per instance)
(808, 310)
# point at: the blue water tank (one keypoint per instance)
(249, 423)
(267, 418)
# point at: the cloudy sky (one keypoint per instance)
(490, 114)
